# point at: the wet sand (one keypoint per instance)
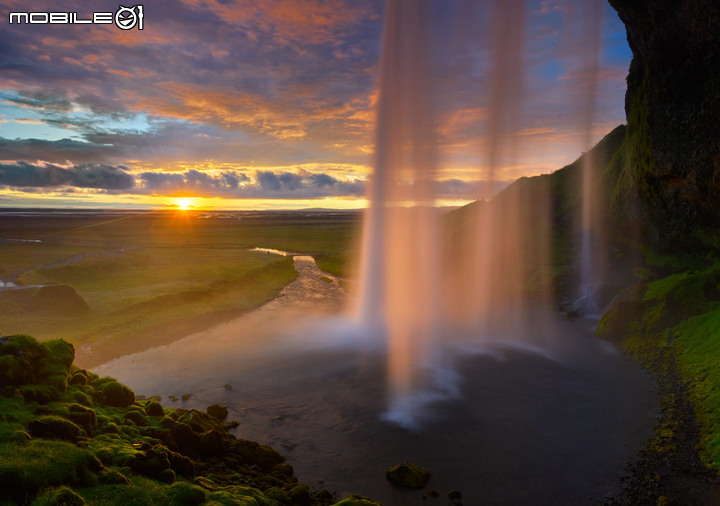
(554, 425)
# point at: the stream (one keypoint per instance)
(532, 425)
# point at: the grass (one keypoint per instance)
(679, 329)
(152, 277)
(697, 341)
(337, 264)
(118, 452)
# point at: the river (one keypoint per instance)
(552, 425)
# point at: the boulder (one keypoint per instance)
(136, 417)
(186, 494)
(252, 453)
(187, 441)
(54, 427)
(182, 465)
(154, 408)
(217, 411)
(84, 417)
(408, 475)
(116, 394)
(283, 470)
(212, 443)
(61, 496)
(152, 463)
(300, 495)
(199, 421)
(112, 477)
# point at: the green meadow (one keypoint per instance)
(125, 282)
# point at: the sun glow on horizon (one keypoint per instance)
(185, 203)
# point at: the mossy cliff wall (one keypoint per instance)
(672, 155)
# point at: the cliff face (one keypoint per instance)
(672, 157)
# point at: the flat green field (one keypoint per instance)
(127, 281)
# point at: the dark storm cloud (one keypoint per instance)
(91, 175)
(193, 181)
(40, 100)
(237, 184)
(54, 151)
(284, 181)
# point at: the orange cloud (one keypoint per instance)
(307, 21)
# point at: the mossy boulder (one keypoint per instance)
(113, 477)
(154, 408)
(213, 442)
(61, 496)
(186, 494)
(624, 312)
(198, 420)
(78, 378)
(42, 367)
(186, 440)
(252, 453)
(136, 418)
(300, 495)
(18, 357)
(20, 436)
(182, 465)
(116, 394)
(217, 411)
(408, 475)
(152, 463)
(358, 500)
(82, 415)
(55, 427)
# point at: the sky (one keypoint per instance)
(240, 104)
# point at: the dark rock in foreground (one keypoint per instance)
(217, 411)
(408, 475)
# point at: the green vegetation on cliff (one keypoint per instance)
(673, 324)
(70, 437)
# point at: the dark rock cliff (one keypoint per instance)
(672, 156)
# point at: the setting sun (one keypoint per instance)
(184, 204)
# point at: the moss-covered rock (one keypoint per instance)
(186, 494)
(186, 440)
(113, 477)
(154, 408)
(300, 495)
(252, 453)
(358, 500)
(136, 418)
(408, 475)
(217, 411)
(61, 496)
(198, 420)
(116, 394)
(41, 368)
(624, 312)
(55, 427)
(94, 441)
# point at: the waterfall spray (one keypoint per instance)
(421, 291)
(586, 52)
